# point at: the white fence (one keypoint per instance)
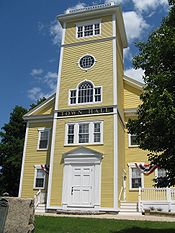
(157, 198)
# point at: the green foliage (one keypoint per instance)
(155, 126)
(11, 149)
(37, 103)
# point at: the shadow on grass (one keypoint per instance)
(144, 230)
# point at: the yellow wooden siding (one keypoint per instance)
(107, 162)
(132, 155)
(121, 154)
(34, 157)
(106, 31)
(72, 74)
(131, 97)
(48, 109)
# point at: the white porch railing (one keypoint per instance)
(39, 198)
(163, 198)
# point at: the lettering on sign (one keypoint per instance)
(85, 111)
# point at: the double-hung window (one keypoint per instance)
(88, 29)
(136, 177)
(43, 138)
(39, 181)
(84, 133)
(85, 93)
(132, 140)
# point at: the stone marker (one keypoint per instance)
(20, 217)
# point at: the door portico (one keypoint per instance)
(81, 179)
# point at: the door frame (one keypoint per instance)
(82, 157)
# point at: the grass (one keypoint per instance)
(88, 225)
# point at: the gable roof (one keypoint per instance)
(133, 82)
(38, 107)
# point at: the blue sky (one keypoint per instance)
(30, 39)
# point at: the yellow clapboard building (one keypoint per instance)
(77, 153)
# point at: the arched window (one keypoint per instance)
(86, 92)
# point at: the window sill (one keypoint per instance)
(84, 144)
(134, 146)
(37, 188)
(42, 149)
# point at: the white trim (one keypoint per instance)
(38, 167)
(51, 161)
(86, 69)
(39, 106)
(132, 165)
(115, 114)
(86, 103)
(129, 142)
(36, 117)
(87, 23)
(55, 121)
(23, 160)
(40, 130)
(91, 133)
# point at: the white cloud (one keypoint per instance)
(127, 53)
(56, 32)
(145, 5)
(76, 7)
(135, 74)
(51, 80)
(48, 80)
(135, 25)
(36, 72)
(35, 93)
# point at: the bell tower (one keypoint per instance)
(87, 150)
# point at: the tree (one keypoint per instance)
(155, 126)
(11, 149)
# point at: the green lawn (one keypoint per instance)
(87, 225)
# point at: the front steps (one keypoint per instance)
(41, 208)
(128, 207)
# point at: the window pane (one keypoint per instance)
(44, 136)
(70, 134)
(85, 93)
(97, 94)
(133, 140)
(83, 133)
(97, 137)
(97, 29)
(40, 174)
(39, 183)
(80, 32)
(136, 182)
(86, 62)
(88, 30)
(136, 178)
(97, 127)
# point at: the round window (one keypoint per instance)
(86, 62)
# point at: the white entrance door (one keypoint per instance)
(81, 186)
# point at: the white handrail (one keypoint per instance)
(120, 194)
(37, 198)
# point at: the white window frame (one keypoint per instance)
(129, 141)
(39, 138)
(87, 23)
(91, 133)
(89, 67)
(38, 167)
(132, 165)
(76, 89)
